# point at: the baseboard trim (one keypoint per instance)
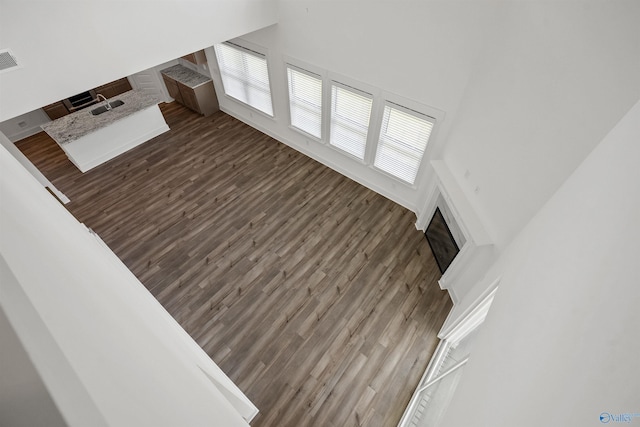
(373, 187)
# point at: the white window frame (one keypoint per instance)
(255, 50)
(380, 99)
(310, 71)
(367, 152)
(416, 112)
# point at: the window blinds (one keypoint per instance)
(305, 101)
(245, 76)
(403, 140)
(350, 111)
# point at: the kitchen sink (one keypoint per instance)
(103, 108)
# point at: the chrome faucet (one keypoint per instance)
(107, 105)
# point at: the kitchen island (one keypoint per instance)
(89, 140)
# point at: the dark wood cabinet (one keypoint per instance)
(189, 98)
(55, 110)
(108, 90)
(114, 88)
(196, 57)
(172, 87)
(201, 99)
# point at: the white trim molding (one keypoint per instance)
(402, 201)
(472, 317)
(477, 246)
(463, 212)
(468, 322)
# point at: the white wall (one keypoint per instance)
(66, 47)
(421, 51)
(26, 163)
(24, 400)
(560, 344)
(528, 88)
(104, 347)
(552, 80)
(24, 125)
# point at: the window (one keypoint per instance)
(245, 76)
(403, 139)
(305, 100)
(350, 111)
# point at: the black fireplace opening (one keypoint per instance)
(441, 241)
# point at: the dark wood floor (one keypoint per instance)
(318, 297)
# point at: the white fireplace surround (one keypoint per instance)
(466, 227)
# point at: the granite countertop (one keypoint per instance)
(186, 76)
(78, 124)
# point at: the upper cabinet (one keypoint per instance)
(196, 57)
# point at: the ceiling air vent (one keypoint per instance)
(7, 61)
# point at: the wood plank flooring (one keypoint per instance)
(318, 297)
